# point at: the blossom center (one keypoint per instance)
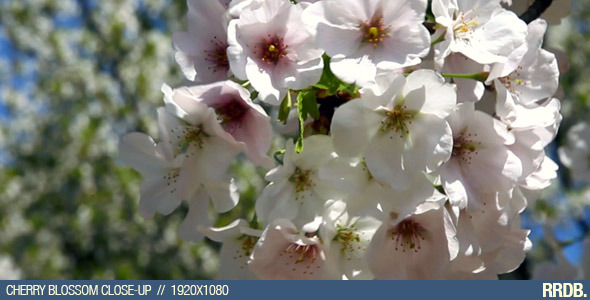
(375, 31)
(189, 136)
(512, 81)
(230, 114)
(302, 180)
(464, 25)
(244, 252)
(464, 147)
(398, 119)
(348, 238)
(408, 235)
(217, 55)
(271, 50)
(302, 253)
(248, 243)
(171, 178)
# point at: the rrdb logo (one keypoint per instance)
(563, 290)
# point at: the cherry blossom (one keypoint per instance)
(201, 54)
(480, 29)
(418, 247)
(400, 127)
(481, 162)
(365, 38)
(296, 192)
(530, 77)
(422, 164)
(270, 47)
(238, 243)
(283, 252)
(245, 121)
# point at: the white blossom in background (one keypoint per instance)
(8, 271)
(270, 47)
(400, 127)
(480, 29)
(365, 38)
(575, 154)
(201, 52)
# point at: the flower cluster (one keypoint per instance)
(418, 146)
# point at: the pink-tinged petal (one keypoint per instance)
(201, 53)
(415, 248)
(266, 49)
(282, 253)
(263, 82)
(243, 120)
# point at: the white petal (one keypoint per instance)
(351, 138)
(196, 218)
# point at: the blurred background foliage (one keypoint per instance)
(75, 75)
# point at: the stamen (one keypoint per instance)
(188, 136)
(171, 179)
(231, 114)
(273, 49)
(374, 31)
(302, 180)
(408, 235)
(464, 25)
(512, 80)
(349, 239)
(398, 120)
(465, 147)
(217, 55)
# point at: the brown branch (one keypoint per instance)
(535, 10)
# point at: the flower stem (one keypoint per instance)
(482, 76)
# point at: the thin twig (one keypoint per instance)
(535, 10)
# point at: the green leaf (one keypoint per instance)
(329, 81)
(285, 108)
(310, 105)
